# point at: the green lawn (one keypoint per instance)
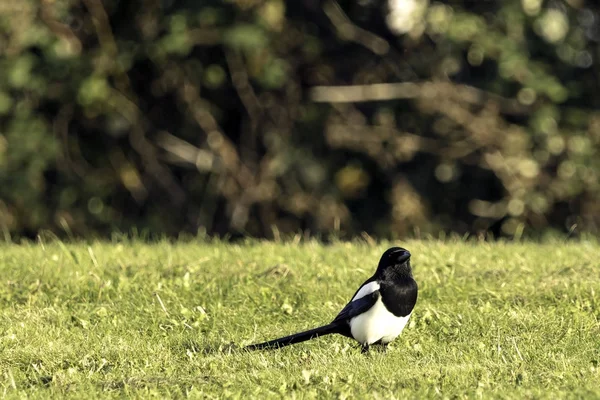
(498, 320)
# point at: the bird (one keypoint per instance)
(378, 311)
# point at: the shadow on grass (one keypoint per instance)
(221, 349)
(150, 382)
(191, 345)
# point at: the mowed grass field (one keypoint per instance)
(132, 319)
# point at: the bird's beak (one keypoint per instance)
(404, 257)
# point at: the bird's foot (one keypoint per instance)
(365, 348)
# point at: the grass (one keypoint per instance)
(500, 320)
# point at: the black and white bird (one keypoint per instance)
(378, 311)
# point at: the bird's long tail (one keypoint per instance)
(296, 338)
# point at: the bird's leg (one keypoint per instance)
(365, 348)
(382, 344)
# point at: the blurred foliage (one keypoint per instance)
(228, 116)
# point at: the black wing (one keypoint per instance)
(357, 307)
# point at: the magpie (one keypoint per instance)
(378, 311)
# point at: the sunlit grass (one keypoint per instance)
(133, 319)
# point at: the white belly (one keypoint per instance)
(377, 324)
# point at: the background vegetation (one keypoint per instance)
(220, 116)
(126, 319)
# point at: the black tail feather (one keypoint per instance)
(296, 338)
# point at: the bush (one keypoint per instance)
(220, 117)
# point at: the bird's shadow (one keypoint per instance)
(220, 348)
(230, 348)
(207, 349)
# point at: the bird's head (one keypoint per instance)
(396, 258)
